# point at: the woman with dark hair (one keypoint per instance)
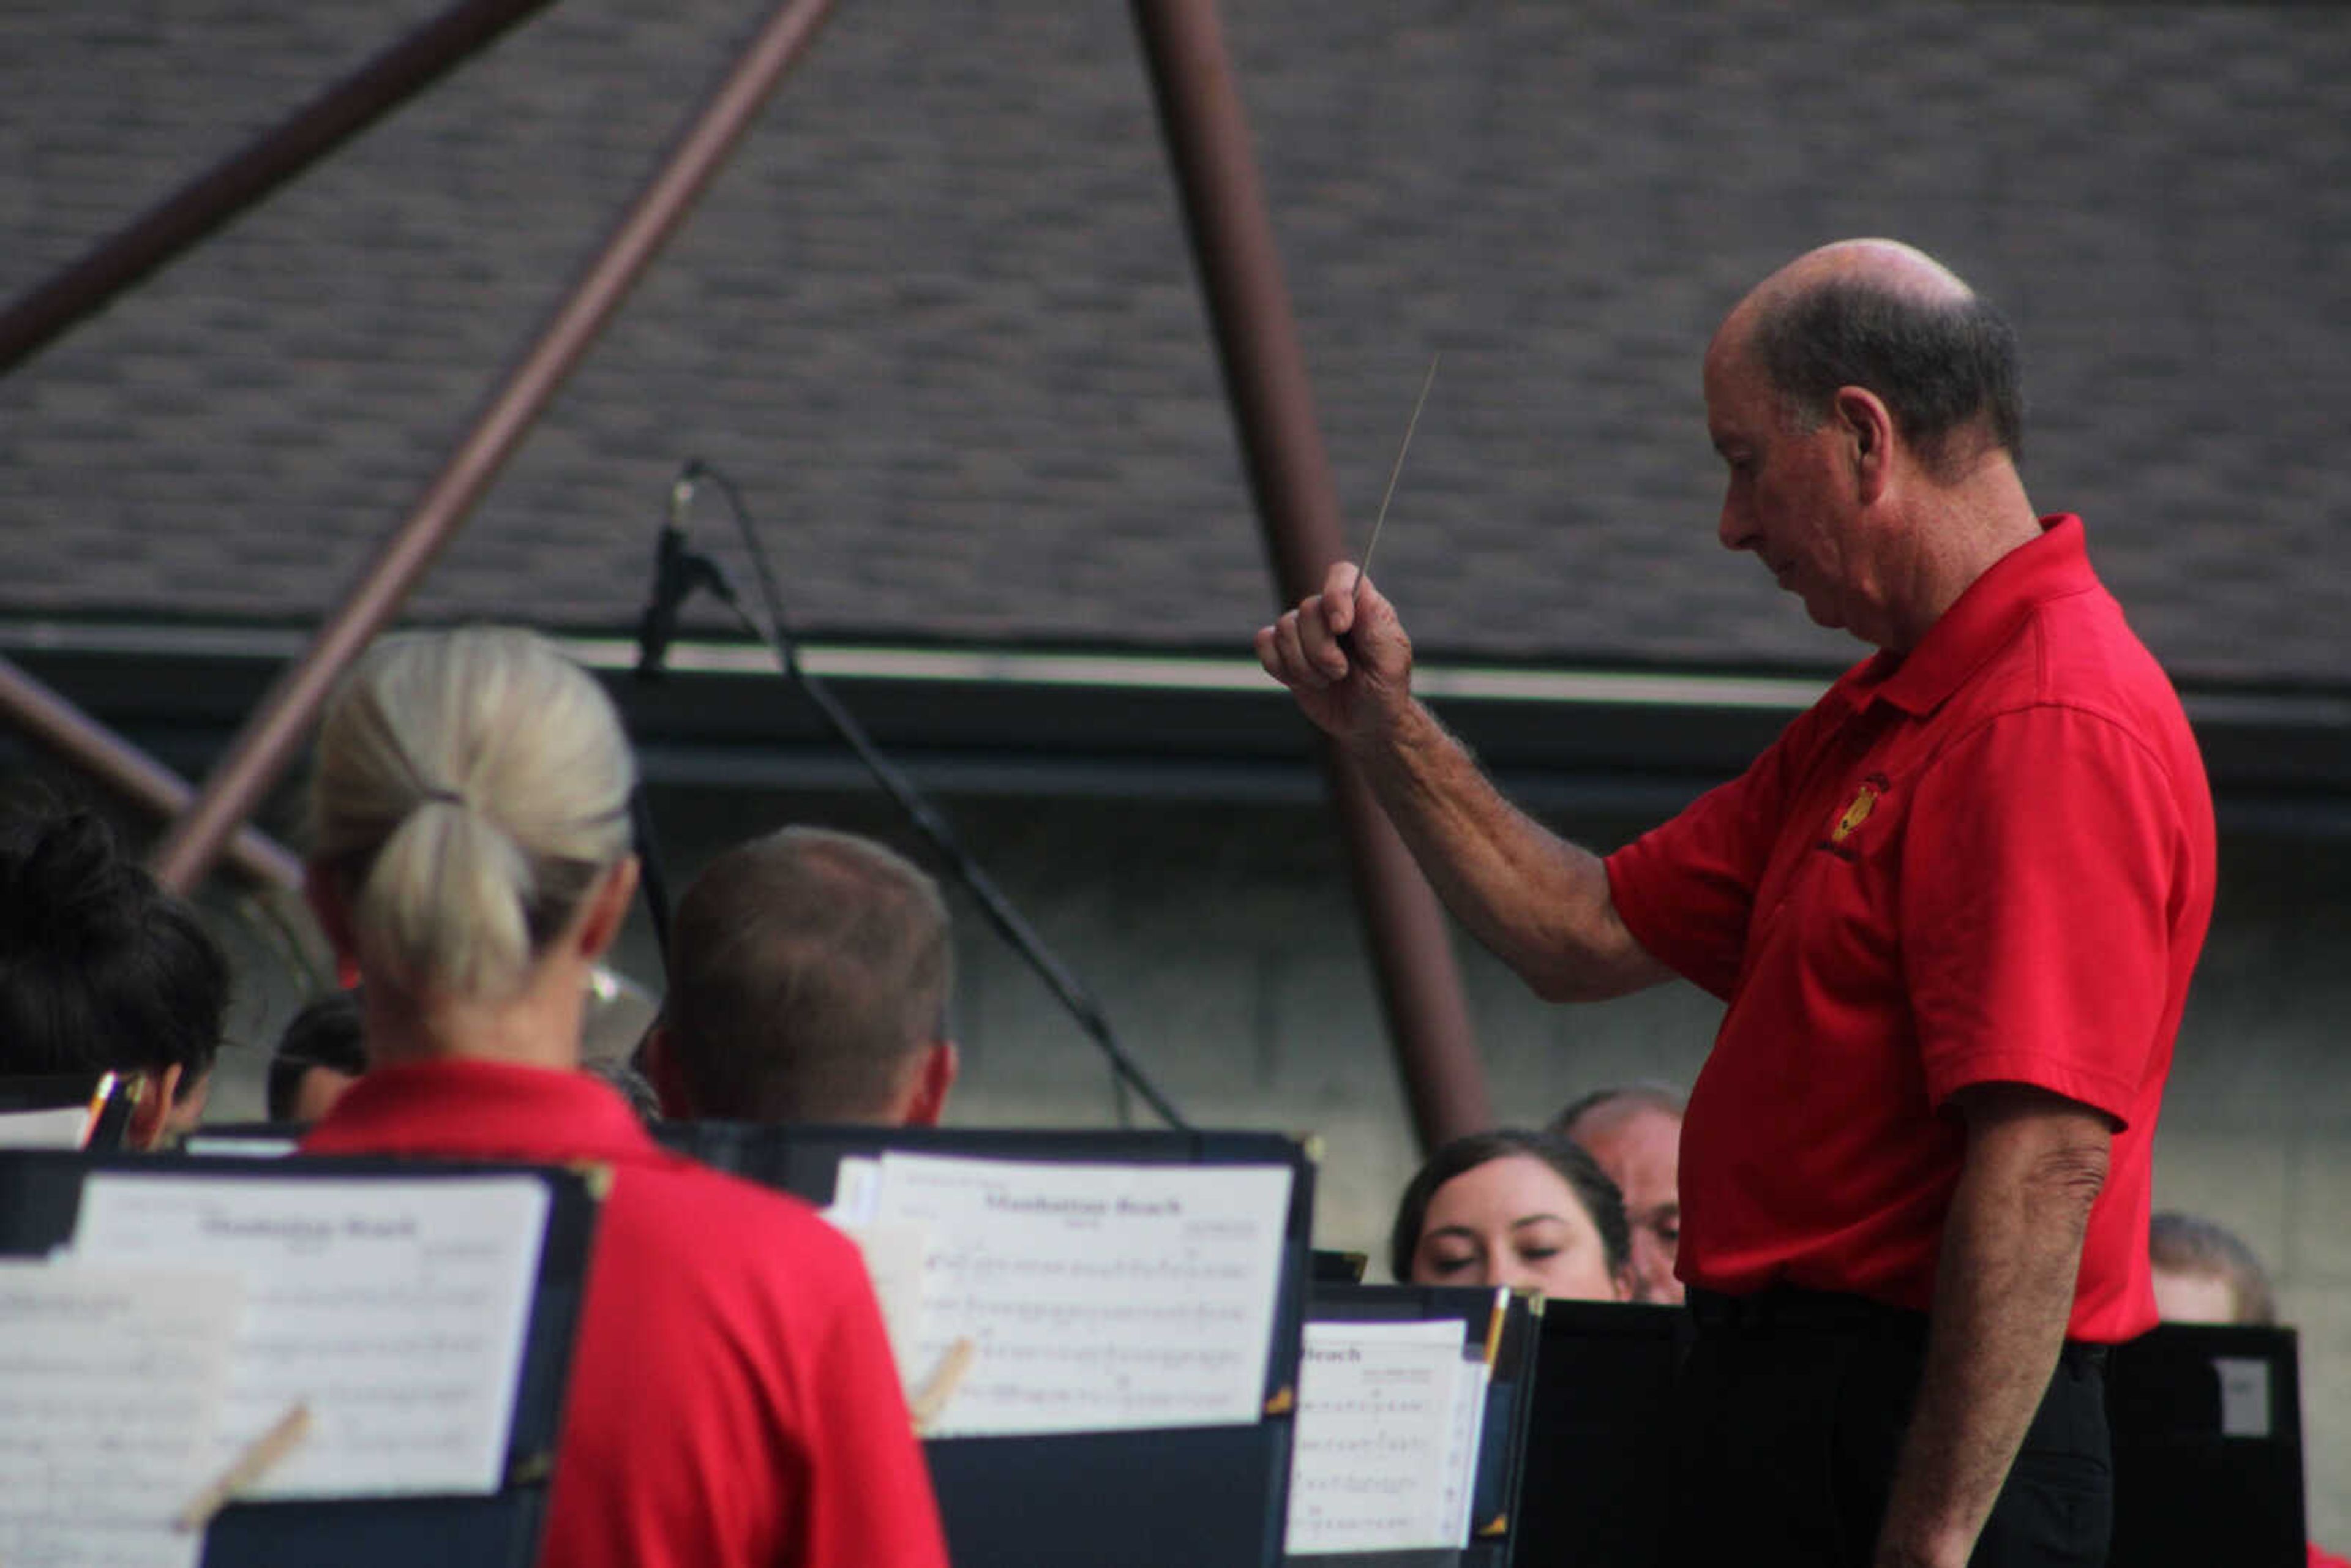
(1514, 1207)
(103, 971)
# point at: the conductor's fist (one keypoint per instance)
(1343, 655)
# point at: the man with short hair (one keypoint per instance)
(2204, 1273)
(1634, 1132)
(810, 972)
(1953, 911)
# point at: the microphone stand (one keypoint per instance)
(1007, 920)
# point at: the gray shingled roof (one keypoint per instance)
(939, 317)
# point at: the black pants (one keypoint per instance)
(1790, 1417)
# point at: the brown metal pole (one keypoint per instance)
(269, 739)
(84, 286)
(47, 717)
(1273, 404)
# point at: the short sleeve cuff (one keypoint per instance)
(2110, 1096)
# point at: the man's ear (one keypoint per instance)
(151, 1113)
(607, 907)
(935, 1073)
(658, 1061)
(188, 1101)
(1867, 426)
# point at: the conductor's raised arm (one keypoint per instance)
(1541, 904)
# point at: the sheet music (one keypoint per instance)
(395, 1310)
(856, 1184)
(1100, 1297)
(1374, 1462)
(62, 1128)
(893, 1262)
(1463, 1438)
(250, 1145)
(111, 1385)
(893, 1254)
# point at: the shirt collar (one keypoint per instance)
(2053, 566)
(489, 1109)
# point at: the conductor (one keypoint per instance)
(1952, 910)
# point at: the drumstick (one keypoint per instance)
(259, 1457)
(931, 1403)
(1420, 402)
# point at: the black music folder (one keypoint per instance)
(2207, 1423)
(1329, 1267)
(1600, 1443)
(202, 1222)
(1211, 1492)
(1494, 1330)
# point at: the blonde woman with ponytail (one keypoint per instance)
(733, 1402)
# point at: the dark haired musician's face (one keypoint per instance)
(1514, 1222)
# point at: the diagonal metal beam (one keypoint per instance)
(84, 286)
(269, 739)
(46, 717)
(1225, 210)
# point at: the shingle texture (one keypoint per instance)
(939, 318)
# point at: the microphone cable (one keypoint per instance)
(777, 637)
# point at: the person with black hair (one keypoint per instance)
(318, 1055)
(1952, 910)
(1514, 1207)
(101, 971)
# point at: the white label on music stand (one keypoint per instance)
(2244, 1395)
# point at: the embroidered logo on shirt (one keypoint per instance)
(1865, 800)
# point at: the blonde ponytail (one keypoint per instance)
(471, 787)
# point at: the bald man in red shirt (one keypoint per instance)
(1952, 911)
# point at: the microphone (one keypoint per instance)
(675, 576)
(701, 572)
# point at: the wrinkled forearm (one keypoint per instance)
(2004, 1292)
(1540, 902)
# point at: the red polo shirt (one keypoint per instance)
(1990, 860)
(732, 1402)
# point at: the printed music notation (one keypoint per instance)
(1379, 1463)
(110, 1381)
(62, 1128)
(1098, 1297)
(394, 1309)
